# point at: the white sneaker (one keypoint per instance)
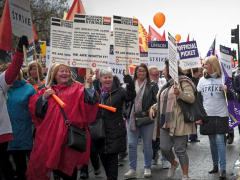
(165, 164)
(147, 173)
(131, 174)
(185, 177)
(172, 170)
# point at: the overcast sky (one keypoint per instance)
(202, 19)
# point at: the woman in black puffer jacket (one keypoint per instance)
(112, 94)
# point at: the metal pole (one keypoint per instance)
(238, 47)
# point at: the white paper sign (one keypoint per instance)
(91, 41)
(126, 42)
(158, 53)
(173, 57)
(21, 20)
(225, 59)
(144, 58)
(61, 41)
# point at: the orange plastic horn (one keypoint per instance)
(59, 101)
(110, 108)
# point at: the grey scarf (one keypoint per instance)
(137, 106)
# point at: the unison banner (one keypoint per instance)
(158, 53)
(225, 59)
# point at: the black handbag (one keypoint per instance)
(97, 129)
(193, 112)
(142, 119)
(77, 138)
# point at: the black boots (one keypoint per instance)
(214, 170)
(222, 175)
(84, 172)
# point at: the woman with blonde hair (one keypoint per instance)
(212, 89)
(35, 75)
(50, 151)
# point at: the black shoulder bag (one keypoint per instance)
(192, 112)
(77, 138)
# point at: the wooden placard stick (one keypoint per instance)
(25, 54)
(88, 71)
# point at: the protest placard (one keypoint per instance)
(188, 55)
(173, 57)
(61, 41)
(21, 21)
(126, 42)
(144, 58)
(158, 53)
(91, 41)
(225, 59)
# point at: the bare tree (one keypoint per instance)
(42, 11)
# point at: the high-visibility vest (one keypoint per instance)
(36, 86)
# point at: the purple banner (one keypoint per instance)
(233, 105)
(158, 44)
(187, 50)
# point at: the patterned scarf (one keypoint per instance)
(137, 106)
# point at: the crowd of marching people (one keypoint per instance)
(112, 117)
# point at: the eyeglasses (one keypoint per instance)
(139, 71)
(156, 75)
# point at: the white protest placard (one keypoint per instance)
(158, 53)
(61, 41)
(188, 55)
(126, 42)
(118, 69)
(91, 41)
(144, 58)
(173, 57)
(21, 20)
(48, 51)
(225, 59)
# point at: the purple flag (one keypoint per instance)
(211, 51)
(233, 105)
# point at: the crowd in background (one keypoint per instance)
(33, 131)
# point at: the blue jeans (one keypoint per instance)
(218, 150)
(146, 133)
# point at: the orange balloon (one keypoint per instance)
(178, 37)
(159, 19)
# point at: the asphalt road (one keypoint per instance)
(200, 163)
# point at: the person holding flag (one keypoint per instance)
(211, 88)
(7, 77)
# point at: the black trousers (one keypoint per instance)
(110, 164)
(66, 177)
(20, 159)
(155, 147)
(6, 169)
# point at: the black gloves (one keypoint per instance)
(22, 41)
(127, 79)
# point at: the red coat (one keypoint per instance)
(50, 150)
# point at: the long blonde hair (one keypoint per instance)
(214, 62)
(55, 70)
(39, 68)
